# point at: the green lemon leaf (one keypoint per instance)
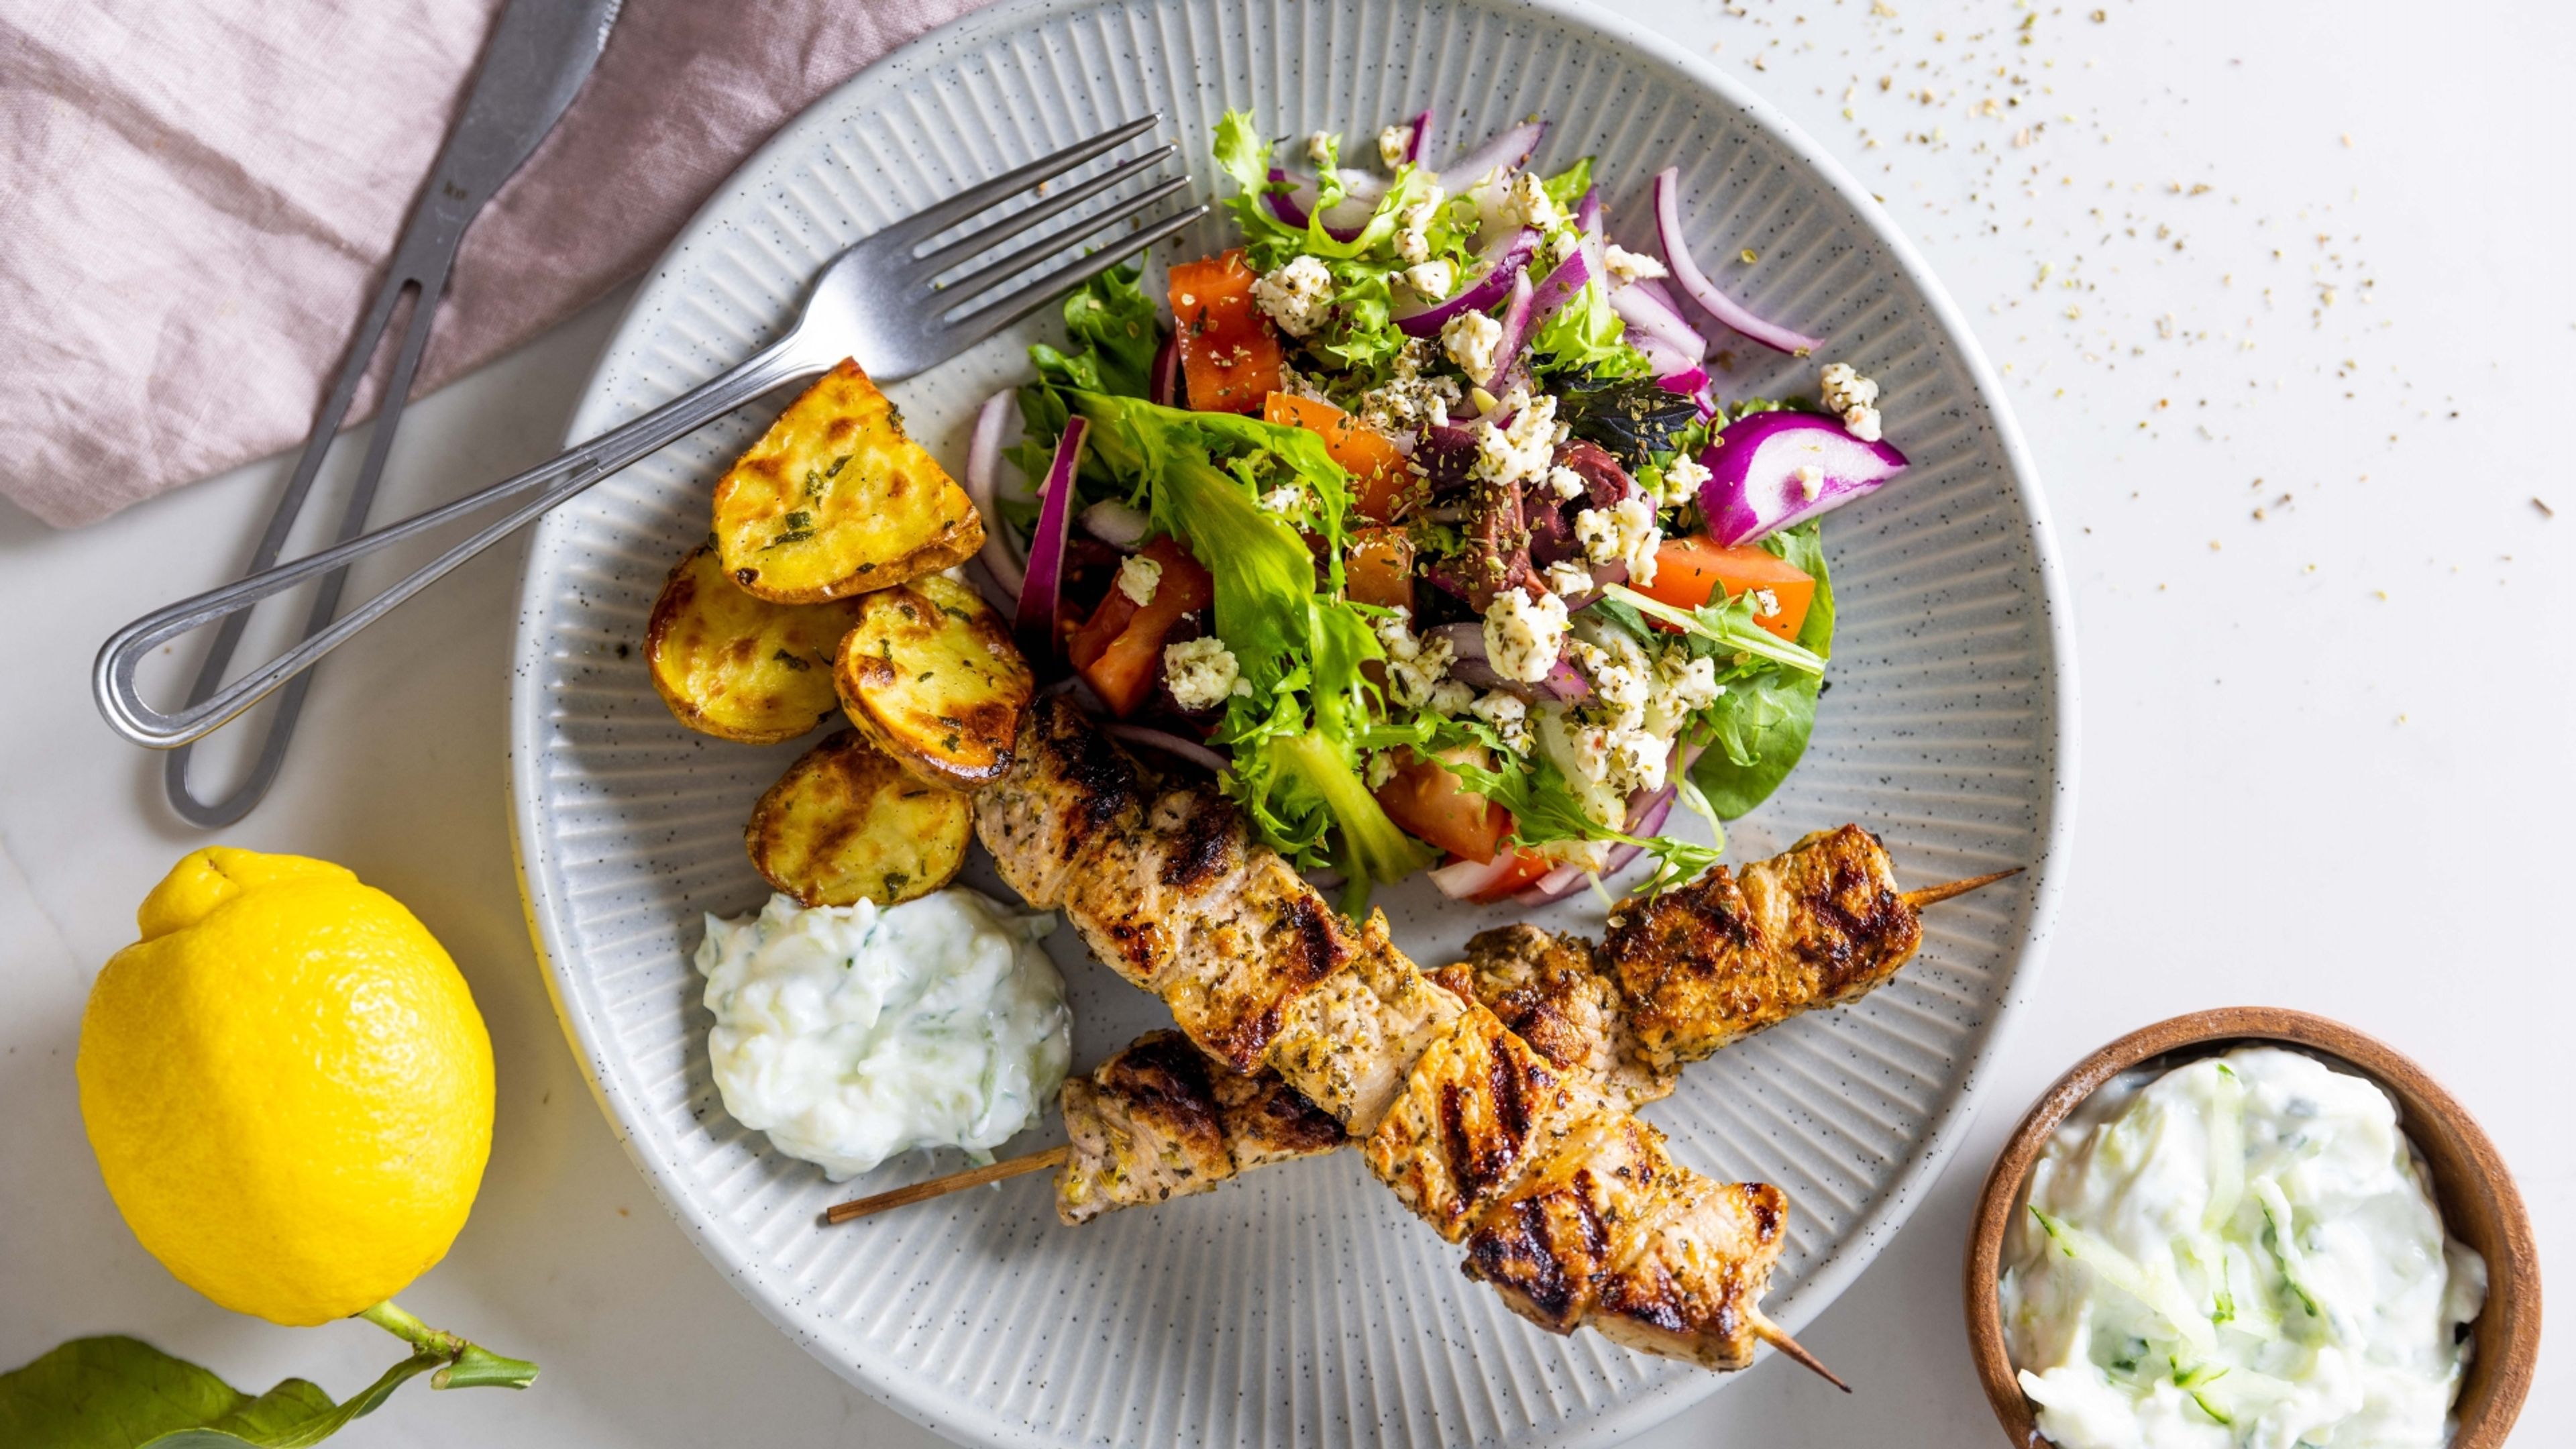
(122, 1393)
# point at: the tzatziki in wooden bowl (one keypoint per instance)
(2228, 1124)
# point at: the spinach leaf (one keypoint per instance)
(1761, 727)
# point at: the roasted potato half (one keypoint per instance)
(737, 667)
(846, 823)
(930, 675)
(834, 500)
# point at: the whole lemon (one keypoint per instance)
(287, 1085)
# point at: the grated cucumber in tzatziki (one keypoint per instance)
(2240, 1252)
(852, 1033)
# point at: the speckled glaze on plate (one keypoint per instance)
(1299, 1305)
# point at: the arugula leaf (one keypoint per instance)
(1761, 727)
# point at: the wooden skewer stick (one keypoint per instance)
(1930, 895)
(1770, 1333)
(842, 1212)
(1055, 1156)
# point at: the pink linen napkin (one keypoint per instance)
(197, 197)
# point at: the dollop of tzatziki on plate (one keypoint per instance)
(852, 1033)
(2241, 1251)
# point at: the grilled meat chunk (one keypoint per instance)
(1550, 991)
(1225, 932)
(1160, 1120)
(1582, 1212)
(1474, 1110)
(1694, 1291)
(1068, 786)
(1349, 1042)
(1723, 957)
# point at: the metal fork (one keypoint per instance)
(879, 301)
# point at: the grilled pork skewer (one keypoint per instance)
(1147, 1127)
(1565, 1202)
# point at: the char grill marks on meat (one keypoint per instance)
(1476, 1131)
(1722, 957)
(1160, 1120)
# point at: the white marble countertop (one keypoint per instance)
(2282, 298)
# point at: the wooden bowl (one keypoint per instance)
(2479, 1203)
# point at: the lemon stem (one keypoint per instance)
(468, 1365)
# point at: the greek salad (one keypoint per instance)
(1416, 517)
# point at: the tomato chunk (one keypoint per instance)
(1229, 356)
(1526, 868)
(1378, 472)
(1435, 805)
(1379, 568)
(1689, 570)
(1118, 651)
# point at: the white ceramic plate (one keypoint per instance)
(1298, 1305)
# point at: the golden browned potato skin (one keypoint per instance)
(1716, 960)
(737, 667)
(835, 500)
(931, 677)
(846, 823)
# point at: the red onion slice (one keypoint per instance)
(1647, 315)
(1772, 470)
(1347, 217)
(1695, 283)
(1418, 145)
(1505, 258)
(1520, 315)
(1165, 383)
(1464, 879)
(1042, 593)
(1171, 744)
(1505, 150)
(983, 463)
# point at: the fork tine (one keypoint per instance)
(932, 220)
(1055, 205)
(983, 322)
(984, 278)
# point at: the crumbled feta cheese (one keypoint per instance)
(1766, 604)
(1450, 696)
(1137, 576)
(1408, 402)
(1619, 676)
(1810, 481)
(1381, 767)
(1682, 480)
(1470, 339)
(1626, 266)
(1853, 398)
(1431, 281)
(1525, 200)
(1392, 144)
(1202, 672)
(1297, 384)
(1568, 579)
(1509, 716)
(1283, 499)
(1320, 148)
(1625, 532)
(1413, 226)
(1415, 667)
(1521, 449)
(1296, 296)
(1565, 483)
(1690, 685)
(1522, 637)
(1554, 248)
